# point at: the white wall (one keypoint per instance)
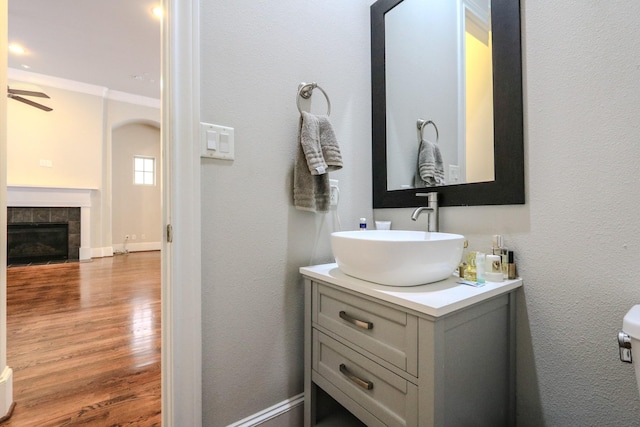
(136, 208)
(254, 240)
(576, 238)
(120, 113)
(70, 137)
(479, 109)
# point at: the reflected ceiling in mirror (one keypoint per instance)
(447, 84)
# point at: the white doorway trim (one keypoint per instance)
(6, 374)
(181, 269)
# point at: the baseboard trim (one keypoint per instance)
(86, 254)
(6, 394)
(137, 247)
(8, 415)
(101, 252)
(270, 413)
(120, 248)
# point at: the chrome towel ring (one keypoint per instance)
(305, 91)
(423, 124)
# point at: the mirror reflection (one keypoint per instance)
(439, 93)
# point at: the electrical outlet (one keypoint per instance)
(334, 194)
(454, 174)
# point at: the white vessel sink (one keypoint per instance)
(396, 257)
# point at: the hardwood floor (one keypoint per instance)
(84, 342)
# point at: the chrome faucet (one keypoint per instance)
(431, 209)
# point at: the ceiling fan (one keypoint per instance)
(15, 94)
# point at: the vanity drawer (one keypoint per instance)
(387, 396)
(388, 333)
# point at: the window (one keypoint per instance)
(144, 170)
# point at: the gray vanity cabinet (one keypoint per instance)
(388, 365)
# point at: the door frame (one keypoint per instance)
(181, 268)
(6, 374)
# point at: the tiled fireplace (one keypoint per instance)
(45, 210)
(42, 234)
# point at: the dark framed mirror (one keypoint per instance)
(506, 185)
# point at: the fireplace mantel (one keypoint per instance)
(31, 196)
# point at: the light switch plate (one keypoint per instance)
(217, 142)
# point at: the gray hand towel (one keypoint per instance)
(318, 153)
(329, 144)
(310, 143)
(430, 169)
(319, 144)
(311, 192)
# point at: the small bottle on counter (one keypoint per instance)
(470, 269)
(497, 248)
(463, 261)
(480, 267)
(512, 266)
(363, 224)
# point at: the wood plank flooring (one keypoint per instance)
(84, 342)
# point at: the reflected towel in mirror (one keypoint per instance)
(430, 169)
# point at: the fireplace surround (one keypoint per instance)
(71, 205)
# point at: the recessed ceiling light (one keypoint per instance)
(17, 49)
(157, 11)
(25, 66)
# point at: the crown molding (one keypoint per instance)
(75, 86)
(145, 101)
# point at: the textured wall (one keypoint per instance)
(576, 237)
(583, 69)
(254, 55)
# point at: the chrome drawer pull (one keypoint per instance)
(367, 385)
(359, 323)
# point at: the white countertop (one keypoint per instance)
(435, 299)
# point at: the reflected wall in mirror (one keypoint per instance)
(455, 64)
(448, 83)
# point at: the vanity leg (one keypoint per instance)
(512, 357)
(309, 387)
